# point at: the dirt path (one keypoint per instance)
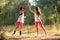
(29, 37)
(32, 36)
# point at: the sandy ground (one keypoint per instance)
(32, 36)
(27, 34)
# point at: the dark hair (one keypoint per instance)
(21, 8)
(37, 12)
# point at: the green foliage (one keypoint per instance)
(9, 11)
(50, 9)
(29, 18)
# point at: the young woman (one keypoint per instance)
(37, 15)
(20, 20)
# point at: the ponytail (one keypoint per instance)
(39, 10)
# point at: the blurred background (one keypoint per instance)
(50, 11)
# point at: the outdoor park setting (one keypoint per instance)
(9, 16)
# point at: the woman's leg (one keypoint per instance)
(20, 29)
(42, 26)
(15, 30)
(16, 27)
(21, 25)
(36, 25)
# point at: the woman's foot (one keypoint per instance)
(14, 32)
(20, 33)
(45, 34)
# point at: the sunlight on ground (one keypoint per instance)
(27, 31)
